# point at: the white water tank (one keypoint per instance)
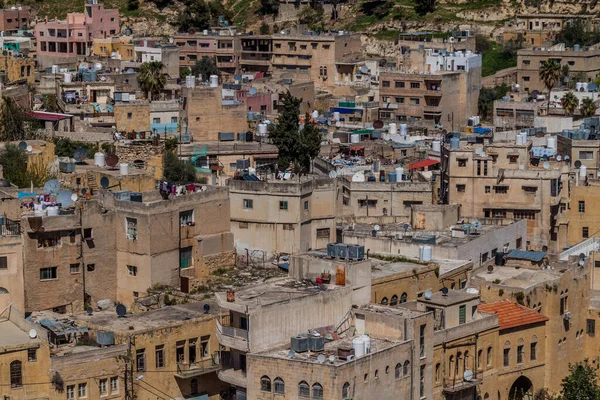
(403, 129)
(214, 81)
(99, 159)
(52, 211)
(519, 140)
(436, 146)
(393, 128)
(55, 69)
(262, 129)
(582, 171)
(578, 86)
(97, 66)
(354, 138)
(124, 168)
(359, 347)
(585, 86)
(68, 77)
(190, 81)
(39, 213)
(205, 32)
(336, 115)
(525, 138)
(315, 114)
(367, 340)
(425, 253)
(551, 143)
(399, 172)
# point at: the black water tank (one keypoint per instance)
(500, 259)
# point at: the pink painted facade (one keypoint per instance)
(68, 39)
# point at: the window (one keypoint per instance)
(399, 100)
(192, 351)
(32, 355)
(180, 351)
(265, 384)
(204, 342)
(385, 84)
(71, 392)
(462, 311)
(159, 355)
(513, 159)
(394, 300)
(480, 359)
(279, 386)
(523, 214)
(414, 101)
(581, 206)
(317, 391)
(585, 233)
(156, 120)
(132, 270)
(74, 268)
(346, 390)
(462, 162)
(3, 262)
(488, 359)
(520, 353)
(306, 205)
(526, 78)
(399, 84)
(403, 298)
(438, 368)
(91, 267)
(398, 371)
(131, 228)
(288, 227)
(415, 85)
(48, 273)
(136, 294)
(283, 205)
(590, 327)
(488, 189)
(501, 189)
(140, 359)
(384, 301)
(530, 189)
(422, 340)
(186, 218)
(405, 368)
(304, 390)
(367, 203)
(129, 115)
(586, 155)
(563, 304)
(422, 381)
(249, 204)
(533, 351)
(103, 387)
(323, 233)
(461, 188)
(519, 243)
(506, 357)
(82, 390)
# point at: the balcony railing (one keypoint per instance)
(227, 329)
(186, 370)
(11, 228)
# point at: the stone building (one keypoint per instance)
(17, 69)
(283, 216)
(160, 117)
(220, 46)
(15, 19)
(11, 266)
(541, 29)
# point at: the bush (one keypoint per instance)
(177, 171)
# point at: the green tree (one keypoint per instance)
(570, 102)
(487, 96)
(580, 383)
(268, 7)
(550, 74)
(482, 43)
(265, 29)
(133, 5)
(205, 67)
(424, 7)
(587, 107)
(178, 172)
(184, 71)
(201, 14)
(15, 123)
(577, 32)
(310, 143)
(14, 166)
(151, 79)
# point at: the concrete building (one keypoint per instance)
(511, 115)
(283, 216)
(144, 116)
(540, 30)
(11, 266)
(221, 46)
(63, 42)
(15, 19)
(444, 92)
(148, 50)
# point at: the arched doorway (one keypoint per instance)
(521, 389)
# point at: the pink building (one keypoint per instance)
(17, 18)
(61, 42)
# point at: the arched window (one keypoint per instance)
(279, 386)
(437, 372)
(194, 386)
(265, 384)
(387, 369)
(450, 366)
(479, 359)
(394, 300)
(384, 301)
(16, 376)
(317, 391)
(346, 390)
(398, 371)
(406, 368)
(486, 396)
(3, 290)
(304, 390)
(403, 298)
(459, 361)
(466, 363)
(488, 360)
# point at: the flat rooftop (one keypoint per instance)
(381, 269)
(224, 148)
(83, 355)
(519, 277)
(452, 297)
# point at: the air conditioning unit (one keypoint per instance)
(356, 252)
(331, 250)
(341, 250)
(299, 344)
(567, 316)
(316, 343)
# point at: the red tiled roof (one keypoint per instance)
(423, 163)
(511, 315)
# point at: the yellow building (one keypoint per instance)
(121, 45)
(17, 69)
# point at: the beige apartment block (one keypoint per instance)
(283, 216)
(221, 46)
(11, 266)
(581, 220)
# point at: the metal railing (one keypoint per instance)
(208, 364)
(228, 330)
(11, 228)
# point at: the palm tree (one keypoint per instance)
(151, 79)
(570, 102)
(588, 107)
(550, 72)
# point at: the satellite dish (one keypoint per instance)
(331, 358)
(582, 256)
(121, 310)
(252, 91)
(74, 197)
(444, 291)
(567, 158)
(476, 225)
(80, 154)
(64, 198)
(376, 227)
(378, 124)
(364, 69)
(546, 165)
(89, 311)
(382, 62)
(577, 164)
(468, 375)
(406, 226)
(558, 158)
(206, 308)
(490, 268)
(23, 146)
(29, 149)
(52, 187)
(111, 160)
(321, 359)
(32, 333)
(83, 191)
(427, 294)
(291, 354)
(332, 174)
(104, 182)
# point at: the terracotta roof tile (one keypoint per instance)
(511, 315)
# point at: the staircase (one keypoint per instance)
(345, 324)
(91, 181)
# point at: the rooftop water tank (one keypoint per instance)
(55, 69)
(582, 171)
(425, 253)
(392, 177)
(393, 128)
(454, 143)
(68, 77)
(551, 143)
(336, 115)
(99, 159)
(359, 347)
(124, 168)
(399, 172)
(367, 340)
(214, 81)
(354, 138)
(403, 129)
(262, 129)
(436, 146)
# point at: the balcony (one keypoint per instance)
(231, 337)
(389, 106)
(433, 93)
(190, 370)
(432, 109)
(11, 228)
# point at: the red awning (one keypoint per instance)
(47, 116)
(423, 163)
